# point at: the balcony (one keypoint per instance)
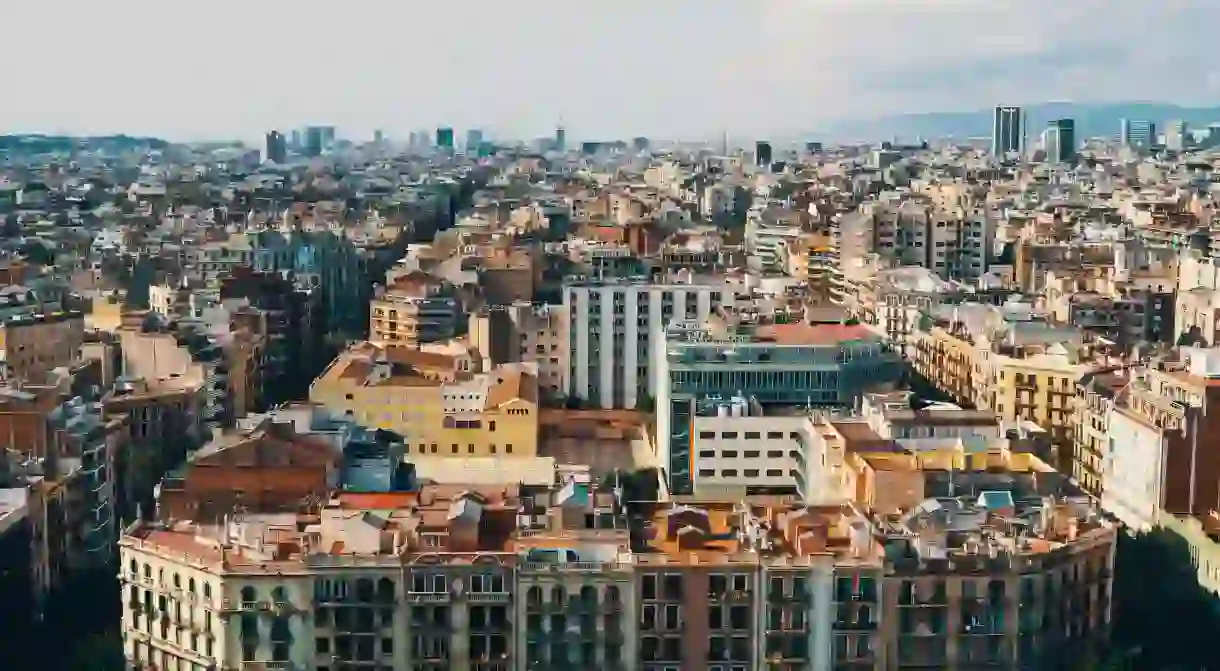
(428, 597)
(488, 597)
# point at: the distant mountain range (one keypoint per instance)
(1092, 120)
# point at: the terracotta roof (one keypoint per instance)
(513, 385)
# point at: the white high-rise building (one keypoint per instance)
(615, 325)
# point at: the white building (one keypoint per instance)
(1133, 471)
(615, 325)
(739, 451)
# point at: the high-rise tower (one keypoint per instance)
(1007, 131)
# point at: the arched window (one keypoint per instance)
(385, 590)
(588, 594)
(364, 590)
(177, 581)
(534, 595)
(279, 595)
(135, 569)
(612, 595)
(249, 595)
(207, 591)
(190, 585)
(559, 595)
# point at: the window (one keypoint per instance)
(753, 435)
(729, 473)
(775, 454)
(707, 472)
(707, 454)
(752, 454)
(729, 454)
(751, 472)
(707, 435)
(728, 435)
(774, 472)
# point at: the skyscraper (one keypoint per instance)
(561, 139)
(1007, 131)
(1136, 132)
(444, 138)
(474, 138)
(762, 153)
(1059, 141)
(277, 147)
(1176, 135)
(315, 139)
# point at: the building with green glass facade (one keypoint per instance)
(821, 366)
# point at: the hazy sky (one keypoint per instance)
(663, 68)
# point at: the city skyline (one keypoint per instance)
(807, 65)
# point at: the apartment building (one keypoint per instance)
(1158, 427)
(1006, 360)
(1095, 396)
(615, 326)
(34, 345)
(415, 308)
(436, 402)
(265, 466)
(524, 332)
(1195, 311)
(733, 355)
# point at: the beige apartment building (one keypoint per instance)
(1007, 361)
(440, 404)
(949, 559)
(414, 308)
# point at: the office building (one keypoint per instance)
(561, 139)
(615, 327)
(703, 363)
(474, 139)
(1059, 141)
(378, 136)
(762, 153)
(314, 141)
(277, 147)
(640, 144)
(444, 139)
(1007, 131)
(1138, 133)
(1177, 135)
(295, 142)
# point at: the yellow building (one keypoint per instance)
(436, 402)
(978, 364)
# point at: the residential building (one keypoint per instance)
(34, 345)
(525, 332)
(412, 309)
(1158, 426)
(438, 403)
(263, 467)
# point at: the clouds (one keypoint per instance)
(685, 68)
